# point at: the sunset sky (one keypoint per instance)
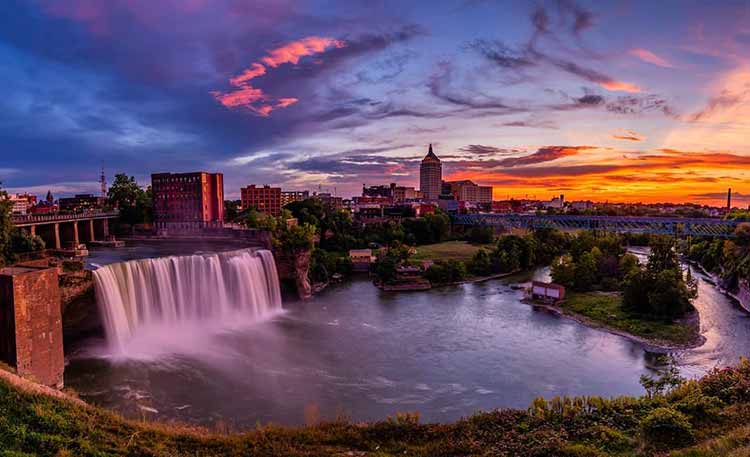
(619, 101)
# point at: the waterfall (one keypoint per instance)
(165, 291)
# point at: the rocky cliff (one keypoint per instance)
(295, 267)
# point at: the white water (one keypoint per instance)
(170, 294)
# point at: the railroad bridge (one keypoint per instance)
(677, 226)
(58, 230)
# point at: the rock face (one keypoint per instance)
(295, 266)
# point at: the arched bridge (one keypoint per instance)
(623, 224)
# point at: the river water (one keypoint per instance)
(365, 354)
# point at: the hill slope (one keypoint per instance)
(698, 419)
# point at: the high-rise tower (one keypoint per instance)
(430, 176)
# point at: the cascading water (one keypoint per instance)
(171, 290)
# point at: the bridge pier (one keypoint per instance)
(101, 229)
(86, 230)
(69, 234)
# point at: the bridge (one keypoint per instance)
(58, 230)
(677, 226)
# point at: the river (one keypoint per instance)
(361, 353)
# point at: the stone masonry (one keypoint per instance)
(31, 323)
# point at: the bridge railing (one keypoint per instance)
(20, 219)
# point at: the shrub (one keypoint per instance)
(665, 428)
(481, 263)
(442, 272)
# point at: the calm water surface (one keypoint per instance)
(365, 353)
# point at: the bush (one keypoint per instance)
(480, 235)
(665, 428)
(481, 263)
(442, 272)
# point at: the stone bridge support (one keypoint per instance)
(101, 229)
(69, 234)
(86, 230)
(50, 233)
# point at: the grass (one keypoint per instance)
(606, 309)
(448, 250)
(32, 424)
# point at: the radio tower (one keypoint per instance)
(103, 182)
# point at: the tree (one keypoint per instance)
(663, 255)
(134, 203)
(586, 272)
(6, 225)
(481, 263)
(481, 235)
(231, 210)
(563, 271)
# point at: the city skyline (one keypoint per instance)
(597, 101)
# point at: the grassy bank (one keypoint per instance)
(699, 419)
(605, 309)
(448, 250)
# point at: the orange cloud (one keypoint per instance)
(254, 99)
(621, 86)
(662, 175)
(294, 51)
(649, 57)
(628, 135)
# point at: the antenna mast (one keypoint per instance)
(103, 182)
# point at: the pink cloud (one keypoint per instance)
(254, 99)
(254, 71)
(649, 57)
(294, 51)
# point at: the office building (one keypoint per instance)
(266, 199)
(188, 201)
(430, 176)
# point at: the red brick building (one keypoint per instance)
(188, 201)
(265, 199)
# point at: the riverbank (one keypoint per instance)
(38, 422)
(603, 310)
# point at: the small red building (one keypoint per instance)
(547, 291)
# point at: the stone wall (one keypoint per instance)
(31, 298)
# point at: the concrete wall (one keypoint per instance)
(31, 298)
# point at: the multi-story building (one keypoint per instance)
(379, 191)
(329, 200)
(81, 203)
(266, 199)
(402, 194)
(293, 196)
(185, 202)
(22, 203)
(430, 176)
(467, 191)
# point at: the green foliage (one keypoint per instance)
(134, 203)
(385, 267)
(666, 381)
(324, 264)
(35, 424)
(480, 235)
(296, 238)
(481, 263)
(666, 428)
(444, 272)
(430, 229)
(513, 253)
(231, 210)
